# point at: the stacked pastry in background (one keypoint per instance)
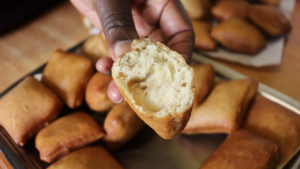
(238, 25)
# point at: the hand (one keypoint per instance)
(121, 21)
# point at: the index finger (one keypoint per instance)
(177, 29)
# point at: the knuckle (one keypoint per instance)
(116, 21)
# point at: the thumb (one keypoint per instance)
(117, 24)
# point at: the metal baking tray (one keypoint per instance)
(147, 150)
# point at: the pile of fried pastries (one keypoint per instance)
(240, 26)
(261, 134)
(32, 109)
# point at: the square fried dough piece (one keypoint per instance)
(67, 134)
(224, 108)
(269, 19)
(120, 125)
(276, 123)
(238, 35)
(242, 149)
(95, 48)
(28, 108)
(204, 81)
(197, 9)
(94, 157)
(67, 74)
(224, 10)
(157, 84)
(96, 93)
(203, 39)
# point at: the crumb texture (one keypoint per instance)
(155, 78)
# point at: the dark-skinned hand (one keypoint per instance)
(121, 21)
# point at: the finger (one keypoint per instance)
(157, 36)
(113, 93)
(177, 29)
(104, 65)
(146, 15)
(86, 8)
(117, 24)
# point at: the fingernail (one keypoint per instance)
(94, 31)
(121, 48)
(102, 66)
(118, 101)
(99, 66)
(105, 72)
(102, 69)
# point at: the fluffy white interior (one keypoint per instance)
(156, 79)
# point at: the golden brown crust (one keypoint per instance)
(224, 108)
(95, 48)
(166, 127)
(204, 80)
(276, 123)
(67, 75)
(197, 9)
(203, 40)
(96, 93)
(238, 35)
(224, 10)
(120, 125)
(67, 134)
(242, 149)
(28, 108)
(270, 19)
(87, 158)
(163, 126)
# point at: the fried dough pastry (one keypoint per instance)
(67, 74)
(269, 19)
(95, 48)
(197, 9)
(96, 93)
(28, 108)
(238, 35)
(95, 157)
(276, 123)
(157, 84)
(120, 125)
(66, 134)
(241, 149)
(203, 40)
(204, 81)
(224, 108)
(224, 10)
